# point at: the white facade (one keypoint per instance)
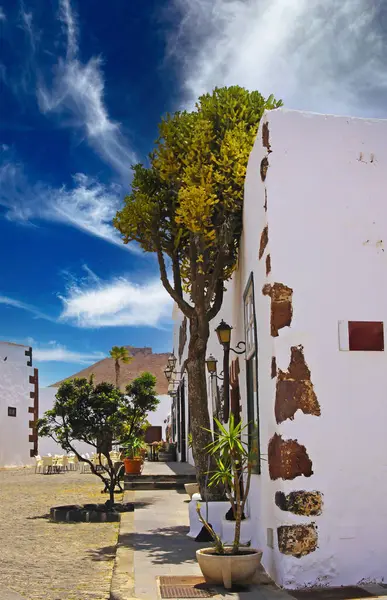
(323, 201)
(15, 401)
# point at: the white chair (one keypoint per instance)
(73, 462)
(38, 464)
(47, 464)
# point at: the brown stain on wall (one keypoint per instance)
(268, 264)
(273, 367)
(288, 459)
(308, 504)
(297, 540)
(265, 136)
(264, 168)
(264, 241)
(281, 306)
(294, 390)
(182, 337)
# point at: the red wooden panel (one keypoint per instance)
(366, 335)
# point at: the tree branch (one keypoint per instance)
(217, 304)
(186, 309)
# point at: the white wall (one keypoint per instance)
(47, 445)
(327, 220)
(15, 391)
(159, 417)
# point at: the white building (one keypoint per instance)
(309, 299)
(19, 402)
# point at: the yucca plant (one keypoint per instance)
(233, 470)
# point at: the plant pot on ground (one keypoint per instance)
(132, 455)
(235, 563)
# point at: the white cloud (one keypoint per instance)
(325, 55)
(120, 302)
(2, 14)
(27, 307)
(78, 89)
(88, 205)
(54, 352)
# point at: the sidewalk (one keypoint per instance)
(153, 542)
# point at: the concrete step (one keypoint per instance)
(162, 477)
(157, 482)
(155, 485)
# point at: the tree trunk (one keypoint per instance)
(198, 406)
(117, 367)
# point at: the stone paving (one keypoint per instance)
(41, 560)
(153, 543)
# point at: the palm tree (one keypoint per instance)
(119, 353)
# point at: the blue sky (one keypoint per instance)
(83, 84)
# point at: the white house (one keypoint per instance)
(309, 299)
(19, 400)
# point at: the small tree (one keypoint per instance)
(187, 208)
(98, 415)
(119, 353)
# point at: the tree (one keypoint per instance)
(119, 353)
(99, 415)
(187, 208)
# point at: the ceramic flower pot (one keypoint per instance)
(228, 569)
(133, 466)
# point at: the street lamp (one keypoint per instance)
(223, 332)
(172, 360)
(168, 373)
(211, 363)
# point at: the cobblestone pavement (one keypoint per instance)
(53, 561)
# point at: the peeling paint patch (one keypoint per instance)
(294, 389)
(264, 168)
(182, 337)
(264, 241)
(281, 306)
(265, 136)
(297, 540)
(273, 367)
(268, 264)
(308, 504)
(265, 205)
(288, 459)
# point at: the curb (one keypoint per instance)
(122, 585)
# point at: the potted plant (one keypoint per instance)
(132, 455)
(230, 564)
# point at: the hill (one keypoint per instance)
(143, 360)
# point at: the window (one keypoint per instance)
(12, 411)
(252, 370)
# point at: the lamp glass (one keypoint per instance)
(224, 333)
(211, 364)
(172, 361)
(168, 373)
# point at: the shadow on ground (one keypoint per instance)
(168, 545)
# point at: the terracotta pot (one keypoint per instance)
(133, 466)
(228, 569)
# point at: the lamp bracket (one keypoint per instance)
(239, 344)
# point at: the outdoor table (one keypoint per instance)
(153, 451)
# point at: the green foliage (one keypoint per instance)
(120, 353)
(99, 415)
(233, 470)
(188, 203)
